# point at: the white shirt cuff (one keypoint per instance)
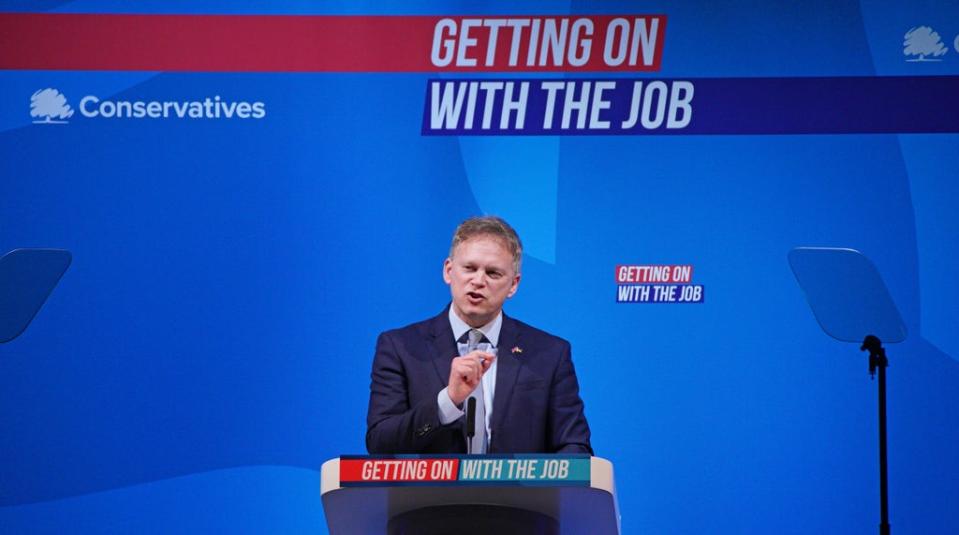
(448, 411)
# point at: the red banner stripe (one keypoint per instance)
(259, 43)
(398, 470)
(214, 43)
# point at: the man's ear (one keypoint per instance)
(447, 267)
(514, 287)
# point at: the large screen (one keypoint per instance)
(252, 191)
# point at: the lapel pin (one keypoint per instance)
(516, 349)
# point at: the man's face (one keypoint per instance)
(481, 278)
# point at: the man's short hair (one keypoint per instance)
(490, 226)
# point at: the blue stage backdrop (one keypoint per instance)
(252, 191)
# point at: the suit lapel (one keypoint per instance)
(442, 345)
(507, 369)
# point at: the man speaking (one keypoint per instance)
(520, 379)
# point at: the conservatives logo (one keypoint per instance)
(923, 43)
(52, 106)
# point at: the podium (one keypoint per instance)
(530, 494)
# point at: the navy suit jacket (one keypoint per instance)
(536, 406)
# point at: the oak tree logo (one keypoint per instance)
(52, 105)
(923, 42)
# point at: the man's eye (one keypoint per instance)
(495, 274)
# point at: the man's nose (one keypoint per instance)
(479, 279)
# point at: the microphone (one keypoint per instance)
(470, 423)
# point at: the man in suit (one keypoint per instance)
(527, 396)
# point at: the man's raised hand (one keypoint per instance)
(466, 372)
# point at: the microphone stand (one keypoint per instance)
(470, 424)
